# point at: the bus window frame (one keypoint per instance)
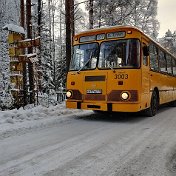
(125, 67)
(165, 52)
(173, 60)
(156, 47)
(97, 55)
(166, 56)
(143, 44)
(159, 56)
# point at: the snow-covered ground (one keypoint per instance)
(59, 142)
(18, 120)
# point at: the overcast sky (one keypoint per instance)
(166, 16)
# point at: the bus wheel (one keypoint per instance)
(173, 103)
(152, 110)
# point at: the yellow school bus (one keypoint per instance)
(120, 69)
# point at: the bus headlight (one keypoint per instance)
(125, 95)
(69, 93)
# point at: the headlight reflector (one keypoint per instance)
(125, 95)
(68, 94)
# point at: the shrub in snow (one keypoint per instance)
(6, 100)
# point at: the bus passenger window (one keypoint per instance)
(144, 55)
(162, 62)
(153, 57)
(174, 66)
(169, 64)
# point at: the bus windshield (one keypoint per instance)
(112, 54)
(84, 56)
(120, 53)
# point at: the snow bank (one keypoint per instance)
(13, 121)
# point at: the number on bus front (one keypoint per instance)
(121, 76)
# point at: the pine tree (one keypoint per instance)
(169, 41)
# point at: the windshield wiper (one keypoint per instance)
(86, 62)
(111, 67)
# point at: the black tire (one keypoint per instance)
(173, 103)
(102, 112)
(152, 110)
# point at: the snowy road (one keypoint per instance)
(94, 145)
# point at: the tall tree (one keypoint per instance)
(138, 13)
(68, 9)
(90, 14)
(169, 41)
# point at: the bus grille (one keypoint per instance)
(95, 78)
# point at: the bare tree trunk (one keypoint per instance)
(72, 18)
(24, 63)
(60, 21)
(22, 13)
(49, 11)
(39, 21)
(90, 14)
(39, 17)
(29, 36)
(100, 14)
(53, 47)
(68, 32)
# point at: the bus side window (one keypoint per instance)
(144, 47)
(153, 51)
(162, 62)
(169, 64)
(174, 66)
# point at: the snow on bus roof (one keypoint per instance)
(14, 28)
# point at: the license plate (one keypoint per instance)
(94, 91)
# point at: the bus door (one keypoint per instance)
(145, 99)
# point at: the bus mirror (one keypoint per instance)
(145, 50)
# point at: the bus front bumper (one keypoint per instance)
(114, 107)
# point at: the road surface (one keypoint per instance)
(95, 145)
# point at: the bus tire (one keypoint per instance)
(152, 110)
(101, 112)
(173, 103)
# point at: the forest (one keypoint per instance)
(55, 22)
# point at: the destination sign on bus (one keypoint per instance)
(100, 36)
(111, 35)
(116, 35)
(87, 38)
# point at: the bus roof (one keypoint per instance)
(119, 27)
(108, 28)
